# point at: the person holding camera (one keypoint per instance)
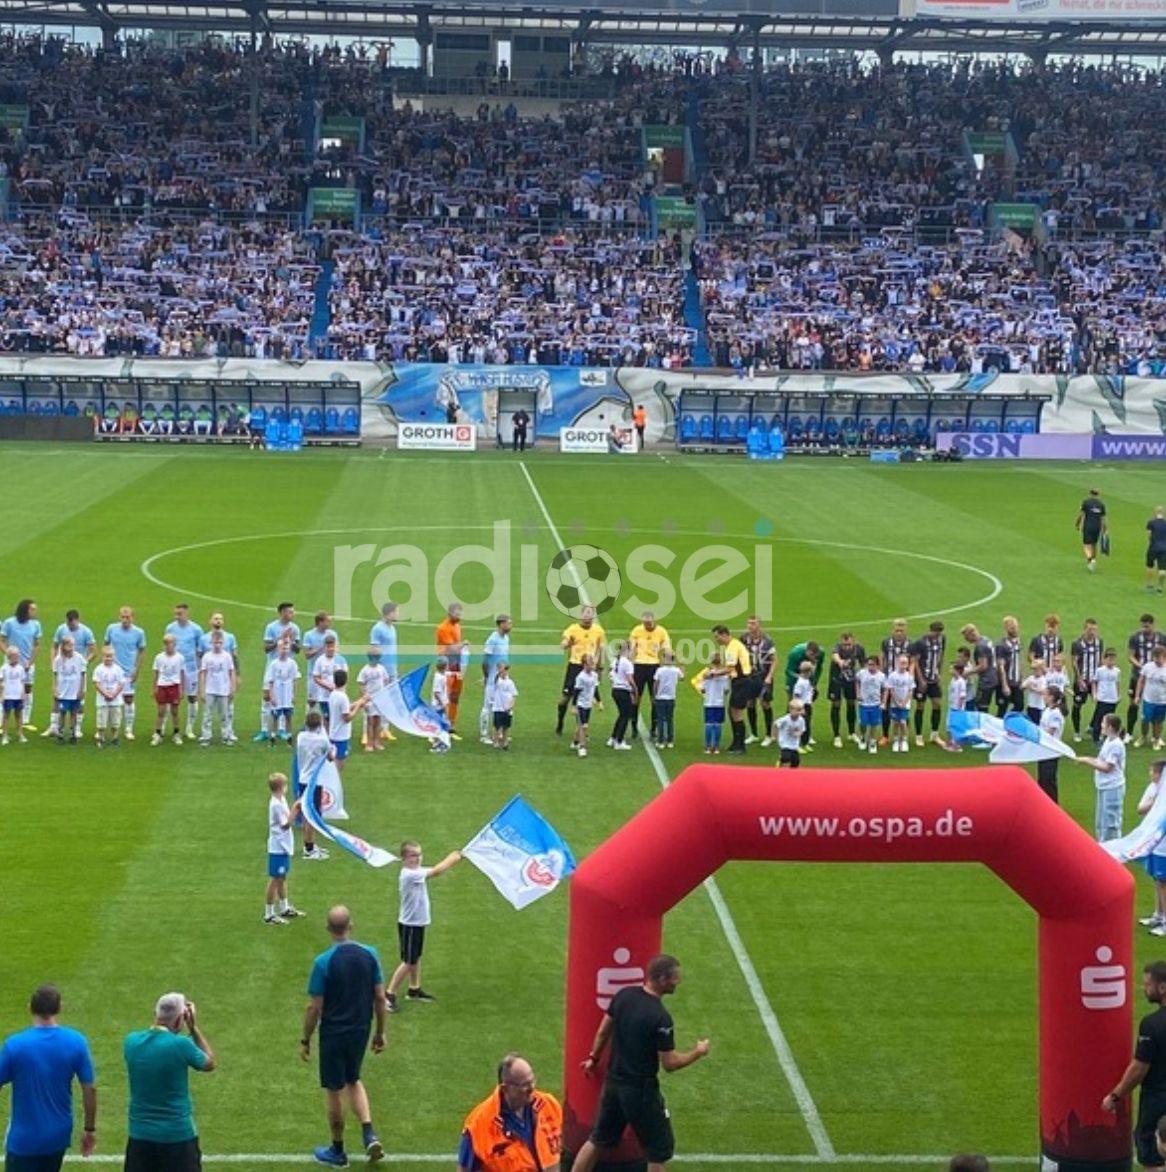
(162, 1134)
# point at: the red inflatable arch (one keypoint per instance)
(994, 815)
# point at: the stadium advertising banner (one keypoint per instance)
(1129, 447)
(598, 440)
(437, 437)
(999, 446)
(1036, 11)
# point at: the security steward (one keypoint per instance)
(648, 640)
(735, 657)
(515, 1128)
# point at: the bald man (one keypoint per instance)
(516, 1128)
(1156, 553)
(346, 988)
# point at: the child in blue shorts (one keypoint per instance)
(280, 848)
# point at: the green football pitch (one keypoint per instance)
(906, 994)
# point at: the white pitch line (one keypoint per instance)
(729, 1159)
(785, 1058)
(773, 1030)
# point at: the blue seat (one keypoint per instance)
(757, 442)
(795, 428)
(332, 421)
(279, 414)
(350, 421)
(992, 425)
(832, 430)
(741, 427)
(724, 429)
(1013, 427)
(257, 419)
(776, 439)
(314, 421)
(687, 428)
(71, 409)
(706, 428)
(295, 414)
(1028, 426)
(273, 434)
(293, 434)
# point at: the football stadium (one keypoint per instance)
(552, 553)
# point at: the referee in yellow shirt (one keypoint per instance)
(735, 657)
(586, 637)
(649, 641)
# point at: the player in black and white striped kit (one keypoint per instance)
(1010, 665)
(1086, 651)
(1048, 643)
(927, 664)
(1141, 648)
(897, 643)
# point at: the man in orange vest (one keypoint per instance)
(640, 420)
(515, 1128)
(450, 647)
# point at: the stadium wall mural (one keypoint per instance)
(568, 396)
(994, 816)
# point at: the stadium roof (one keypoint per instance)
(820, 24)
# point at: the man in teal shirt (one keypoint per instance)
(162, 1135)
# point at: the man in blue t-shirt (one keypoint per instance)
(128, 641)
(187, 635)
(346, 987)
(496, 651)
(22, 630)
(41, 1063)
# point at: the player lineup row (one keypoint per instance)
(200, 667)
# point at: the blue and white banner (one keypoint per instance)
(1140, 843)
(375, 856)
(400, 703)
(978, 729)
(521, 853)
(1023, 741)
(331, 788)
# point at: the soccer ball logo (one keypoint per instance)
(580, 576)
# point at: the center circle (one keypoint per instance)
(148, 569)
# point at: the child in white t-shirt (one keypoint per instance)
(789, 730)
(957, 700)
(502, 702)
(585, 696)
(667, 676)
(371, 679)
(714, 687)
(341, 713)
(109, 682)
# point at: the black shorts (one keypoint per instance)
(931, 690)
(760, 690)
(1151, 1108)
(143, 1155)
(569, 678)
(583, 715)
(1090, 536)
(50, 1163)
(411, 938)
(791, 757)
(503, 719)
(740, 692)
(840, 689)
(639, 1106)
(341, 1056)
(1156, 559)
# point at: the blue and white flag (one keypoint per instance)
(331, 787)
(1024, 741)
(521, 853)
(978, 729)
(400, 703)
(373, 855)
(1140, 843)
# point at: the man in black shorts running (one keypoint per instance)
(1147, 1070)
(1156, 553)
(640, 1031)
(1091, 522)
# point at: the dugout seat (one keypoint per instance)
(293, 435)
(314, 422)
(273, 434)
(795, 428)
(724, 429)
(776, 439)
(350, 422)
(257, 419)
(687, 428)
(1028, 426)
(741, 428)
(51, 407)
(706, 428)
(332, 421)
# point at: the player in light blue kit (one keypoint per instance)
(279, 630)
(382, 649)
(187, 637)
(314, 639)
(22, 630)
(129, 646)
(495, 651)
(85, 645)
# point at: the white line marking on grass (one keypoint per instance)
(729, 1159)
(773, 1030)
(147, 570)
(785, 1058)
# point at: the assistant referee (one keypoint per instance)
(641, 1034)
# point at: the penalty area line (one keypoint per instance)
(781, 1048)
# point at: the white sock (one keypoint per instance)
(282, 906)
(54, 721)
(26, 710)
(264, 717)
(129, 716)
(268, 909)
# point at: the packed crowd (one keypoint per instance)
(858, 237)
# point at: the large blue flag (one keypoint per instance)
(1025, 741)
(373, 855)
(400, 703)
(521, 853)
